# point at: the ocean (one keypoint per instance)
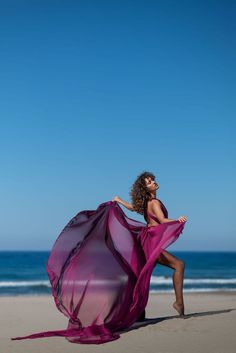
(24, 273)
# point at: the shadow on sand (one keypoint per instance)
(147, 322)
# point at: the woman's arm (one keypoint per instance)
(124, 203)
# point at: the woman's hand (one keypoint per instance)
(182, 219)
(128, 205)
(117, 199)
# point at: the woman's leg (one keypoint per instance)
(169, 260)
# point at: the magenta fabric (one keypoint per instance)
(100, 268)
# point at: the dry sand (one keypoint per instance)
(210, 326)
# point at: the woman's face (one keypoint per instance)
(151, 184)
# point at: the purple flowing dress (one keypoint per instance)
(100, 268)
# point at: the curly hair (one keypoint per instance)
(140, 194)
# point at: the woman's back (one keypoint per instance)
(152, 219)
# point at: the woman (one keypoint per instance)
(101, 263)
(144, 201)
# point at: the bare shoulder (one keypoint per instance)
(154, 203)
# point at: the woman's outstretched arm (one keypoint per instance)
(156, 209)
(128, 205)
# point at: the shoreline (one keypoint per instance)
(217, 292)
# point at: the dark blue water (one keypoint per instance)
(24, 272)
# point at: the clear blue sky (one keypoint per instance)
(95, 92)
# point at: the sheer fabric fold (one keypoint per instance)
(100, 268)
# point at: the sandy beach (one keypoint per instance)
(209, 326)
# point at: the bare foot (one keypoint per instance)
(179, 308)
